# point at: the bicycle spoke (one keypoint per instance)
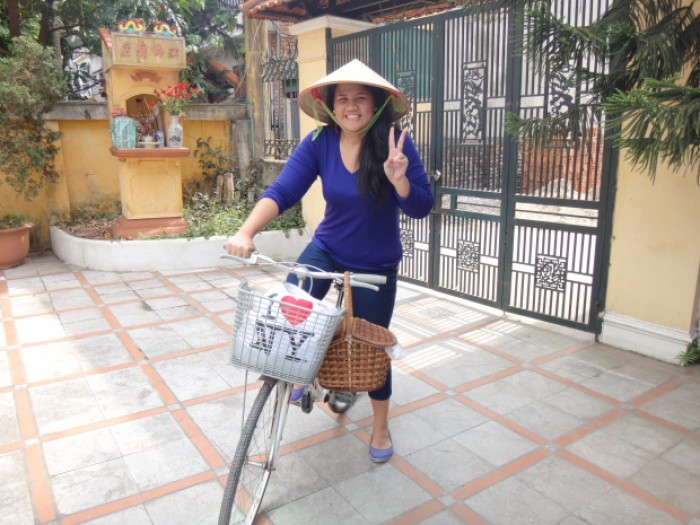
(253, 461)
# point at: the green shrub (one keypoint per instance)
(30, 85)
(12, 221)
(209, 218)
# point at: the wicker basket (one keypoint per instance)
(356, 360)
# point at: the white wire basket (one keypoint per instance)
(278, 337)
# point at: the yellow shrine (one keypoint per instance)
(150, 180)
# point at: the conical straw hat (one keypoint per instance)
(354, 72)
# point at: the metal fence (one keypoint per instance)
(280, 75)
(518, 226)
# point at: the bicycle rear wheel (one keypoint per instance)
(253, 461)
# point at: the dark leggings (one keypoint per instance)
(375, 307)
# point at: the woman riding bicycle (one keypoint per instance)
(367, 175)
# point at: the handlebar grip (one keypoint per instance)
(253, 259)
(368, 278)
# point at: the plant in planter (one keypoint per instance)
(14, 240)
(218, 169)
(30, 85)
(216, 212)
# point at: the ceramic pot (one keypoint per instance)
(14, 246)
(148, 142)
(173, 134)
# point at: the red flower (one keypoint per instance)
(175, 98)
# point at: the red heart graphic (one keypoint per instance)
(293, 314)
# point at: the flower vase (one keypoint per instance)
(174, 132)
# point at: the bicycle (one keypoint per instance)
(259, 444)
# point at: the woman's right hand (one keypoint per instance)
(241, 245)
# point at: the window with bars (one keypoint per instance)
(280, 76)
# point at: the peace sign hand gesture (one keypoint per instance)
(396, 165)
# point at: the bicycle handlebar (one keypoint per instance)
(253, 259)
(362, 280)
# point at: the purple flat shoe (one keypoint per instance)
(381, 455)
(296, 395)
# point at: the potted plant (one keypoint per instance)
(30, 85)
(14, 240)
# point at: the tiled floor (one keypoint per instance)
(117, 406)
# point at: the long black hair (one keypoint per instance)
(371, 179)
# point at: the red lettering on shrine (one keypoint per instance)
(141, 49)
(126, 50)
(158, 50)
(173, 52)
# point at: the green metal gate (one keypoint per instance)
(514, 226)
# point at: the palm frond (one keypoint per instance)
(661, 122)
(629, 60)
(549, 42)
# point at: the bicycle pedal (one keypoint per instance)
(344, 397)
(306, 402)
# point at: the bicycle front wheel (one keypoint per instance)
(253, 461)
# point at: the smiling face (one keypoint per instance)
(353, 106)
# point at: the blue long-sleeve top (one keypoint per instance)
(354, 232)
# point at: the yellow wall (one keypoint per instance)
(88, 172)
(218, 130)
(91, 173)
(35, 210)
(312, 66)
(655, 251)
(39, 209)
(654, 270)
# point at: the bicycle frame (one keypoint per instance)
(255, 466)
(279, 421)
